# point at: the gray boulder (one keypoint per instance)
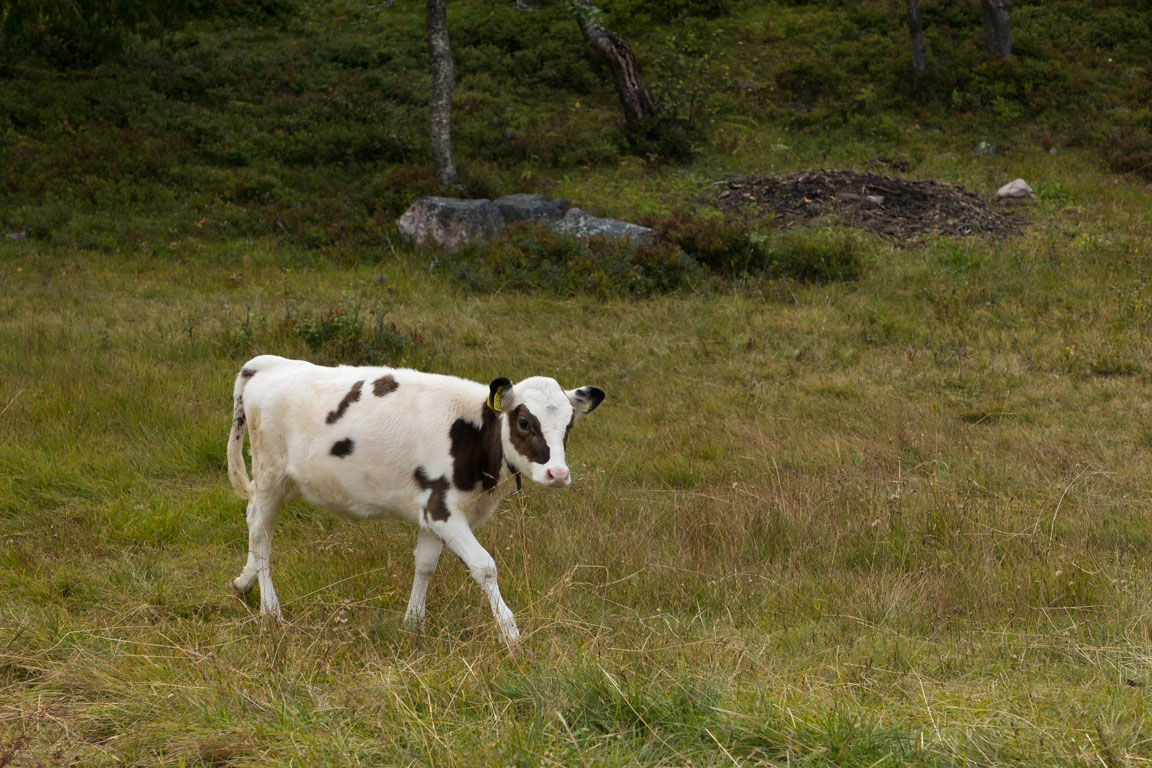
(1017, 188)
(450, 222)
(522, 207)
(576, 223)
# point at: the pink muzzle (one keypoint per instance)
(557, 477)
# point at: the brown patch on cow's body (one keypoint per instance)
(529, 443)
(477, 453)
(342, 448)
(385, 385)
(437, 506)
(352, 396)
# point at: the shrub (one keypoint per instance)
(352, 332)
(1129, 150)
(685, 254)
(349, 334)
(663, 267)
(531, 256)
(69, 34)
(248, 185)
(81, 34)
(815, 255)
(394, 190)
(680, 9)
(727, 248)
(666, 138)
(724, 246)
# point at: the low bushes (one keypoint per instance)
(686, 253)
(530, 256)
(354, 331)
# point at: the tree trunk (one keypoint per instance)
(919, 48)
(997, 29)
(443, 80)
(618, 55)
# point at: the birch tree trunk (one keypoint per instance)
(621, 61)
(443, 80)
(919, 48)
(997, 28)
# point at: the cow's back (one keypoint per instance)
(351, 438)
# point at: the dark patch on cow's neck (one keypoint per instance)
(352, 396)
(248, 373)
(477, 452)
(529, 443)
(437, 506)
(385, 385)
(571, 421)
(342, 448)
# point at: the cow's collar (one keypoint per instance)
(516, 474)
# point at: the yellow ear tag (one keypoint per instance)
(495, 399)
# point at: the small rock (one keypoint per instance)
(1015, 188)
(17, 235)
(854, 198)
(987, 148)
(579, 224)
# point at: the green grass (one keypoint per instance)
(898, 520)
(902, 520)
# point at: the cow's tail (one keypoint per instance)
(237, 468)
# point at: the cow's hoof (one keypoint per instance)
(510, 633)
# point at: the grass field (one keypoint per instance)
(901, 520)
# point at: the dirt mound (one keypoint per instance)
(899, 208)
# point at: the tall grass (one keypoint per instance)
(897, 520)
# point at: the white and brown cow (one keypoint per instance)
(365, 442)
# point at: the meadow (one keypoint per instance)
(898, 519)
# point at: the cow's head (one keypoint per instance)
(538, 413)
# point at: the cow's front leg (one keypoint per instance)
(460, 539)
(428, 547)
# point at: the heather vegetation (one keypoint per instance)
(853, 498)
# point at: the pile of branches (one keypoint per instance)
(894, 207)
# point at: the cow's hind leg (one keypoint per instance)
(263, 509)
(428, 547)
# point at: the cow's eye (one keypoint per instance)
(523, 424)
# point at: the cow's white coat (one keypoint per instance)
(315, 432)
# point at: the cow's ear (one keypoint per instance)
(499, 391)
(585, 399)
